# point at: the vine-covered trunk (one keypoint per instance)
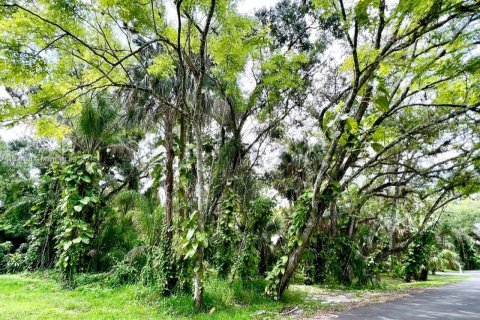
(296, 255)
(181, 157)
(322, 198)
(198, 286)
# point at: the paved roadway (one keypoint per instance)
(452, 302)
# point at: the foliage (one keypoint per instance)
(444, 260)
(417, 259)
(297, 223)
(456, 236)
(44, 220)
(468, 254)
(14, 262)
(17, 186)
(79, 179)
(162, 266)
(122, 274)
(225, 236)
(5, 248)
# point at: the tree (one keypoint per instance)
(396, 57)
(76, 50)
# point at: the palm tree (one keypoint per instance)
(445, 259)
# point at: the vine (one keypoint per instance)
(298, 221)
(79, 178)
(225, 234)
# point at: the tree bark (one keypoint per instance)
(181, 157)
(296, 255)
(169, 124)
(333, 219)
(198, 286)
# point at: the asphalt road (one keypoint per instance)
(456, 301)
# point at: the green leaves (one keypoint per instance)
(48, 127)
(379, 139)
(233, 46)
(192, 239)
(79, 178)
(361, 11)
(67, 245)
(87, 200)
(190, 233)
(376, 146)
(201, 237)
(381, 103)
(281, 72)
(352, 125)
(162, 66)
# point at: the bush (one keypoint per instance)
(398, 271)
(5, 248)
(14, 262)
(123, 273)
(417, 260)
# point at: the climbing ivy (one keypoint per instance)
(79, 178)
(225, 235)
(298, 221)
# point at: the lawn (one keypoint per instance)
(34, 296)
(39, 296)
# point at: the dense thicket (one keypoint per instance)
(319, 141)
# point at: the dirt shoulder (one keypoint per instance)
(323, 302)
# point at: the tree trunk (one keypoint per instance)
(393, 223)
(319, 275)
(198, 286)
(333, 219)
(169, 124)
(423, 273)
(296, 255)
(181, 157)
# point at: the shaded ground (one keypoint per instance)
(455, 301)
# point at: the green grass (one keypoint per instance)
(392, 284)
(40, 296)
(34, 298)
(31, 296)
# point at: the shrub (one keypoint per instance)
(123, 273)
(5, 248)
(14, 262)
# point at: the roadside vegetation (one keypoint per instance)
(40, 296)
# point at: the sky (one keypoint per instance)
(250, 6)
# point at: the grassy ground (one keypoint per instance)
(36, 296)
(433, 281)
